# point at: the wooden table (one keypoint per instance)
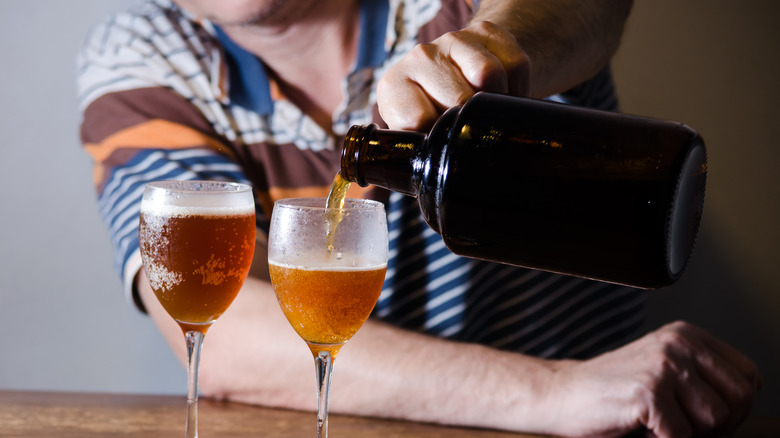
(71, 415)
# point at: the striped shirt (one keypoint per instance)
(164, 95)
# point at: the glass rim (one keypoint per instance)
(310, 203)
(186, 186)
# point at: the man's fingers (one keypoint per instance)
(719, 383)
(703, 406)
(509, 64)
(741, 363)
(730, 373)
(447, 72)
(438, 77)
(415, 92)
(665, 418)
(479, 66)
(405, 107)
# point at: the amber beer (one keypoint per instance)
(335, 204)
(327, 305)
(196, 259)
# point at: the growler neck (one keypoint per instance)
(381, 157)
(401, 161)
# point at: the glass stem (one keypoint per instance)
(323, 363)
(194, 341)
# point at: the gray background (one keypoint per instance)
(65, 324)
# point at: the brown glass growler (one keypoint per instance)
(549, 186)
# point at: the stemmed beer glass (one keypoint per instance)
(327, 267)
(197, 240)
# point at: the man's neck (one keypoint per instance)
(309, 55)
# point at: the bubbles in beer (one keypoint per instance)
(162, 279)
(216, 271)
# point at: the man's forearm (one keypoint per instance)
(392, 372)
(568, 41)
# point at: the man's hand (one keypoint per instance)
(674, 382)
(448, 71)
(530, 48)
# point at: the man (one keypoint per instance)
(263, 90)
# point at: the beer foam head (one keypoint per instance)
(181, 198)
(322, 261)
